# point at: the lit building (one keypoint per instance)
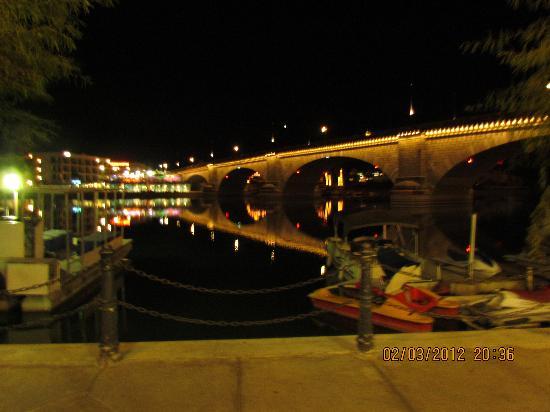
(62, 168)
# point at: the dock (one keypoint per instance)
(281, 374)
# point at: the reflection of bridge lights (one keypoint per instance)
(166, 220)
(236, 244)
(178, 223)
(470, 160)
(323, 270)
(324, 211)
(341, 205)
(212, 236)
(192, 229)
(255, 214)
(273, 255)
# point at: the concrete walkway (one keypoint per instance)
(297, 374)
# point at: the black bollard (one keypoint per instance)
(364, 327)
(108, 344)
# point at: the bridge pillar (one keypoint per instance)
(274, 173)
(413, 187)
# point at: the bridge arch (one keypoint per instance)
(196, 182)
(328, 175)
(240, 181)
(468, 170)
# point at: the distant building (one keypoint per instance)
(65, 168)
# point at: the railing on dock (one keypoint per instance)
(108, 304)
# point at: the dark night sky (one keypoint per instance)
(173, 78)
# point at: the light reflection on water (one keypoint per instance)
(239, 244)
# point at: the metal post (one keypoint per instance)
(68, 234)
(108, 344)
(364, 327)
(530, 278)
(471, 256)
(123, 196)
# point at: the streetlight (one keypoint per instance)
(324, 129)
(236, 148)
(12, 181)
(191, 159)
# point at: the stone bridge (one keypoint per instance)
(420, 161)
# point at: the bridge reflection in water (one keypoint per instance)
(303, 225)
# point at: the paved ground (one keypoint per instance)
(300, 374)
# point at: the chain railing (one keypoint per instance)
(31, 287)
(108, 305)
(46, 322)
(207, 322)
(263, 291)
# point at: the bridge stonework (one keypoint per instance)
(415, 161)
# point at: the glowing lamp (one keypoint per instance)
(12, 181)
(191, 159)
(324, 129)
(67, 154)
(236, 148)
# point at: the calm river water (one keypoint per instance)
(238, 244)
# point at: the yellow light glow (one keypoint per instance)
(39, 160)
(236, 148)
(102, 167)
(97, 159)
(12, 181)
(324, 129)
(548, 86)
(30, 155)
(39, 177)
(192, 159)
(66, 153)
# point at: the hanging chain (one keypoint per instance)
(43, 323)
(126, 266)
(35, 286)
(207, 322)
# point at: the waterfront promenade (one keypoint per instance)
(294, 374)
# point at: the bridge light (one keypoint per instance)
(191, 159)
(236, 148)
(324, 129)
(284, 125)
(298, 171)
(212, 154)
(178, 164)
(368, 133)
(470, 160)
(272, 139)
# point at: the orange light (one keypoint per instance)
(298, 225)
